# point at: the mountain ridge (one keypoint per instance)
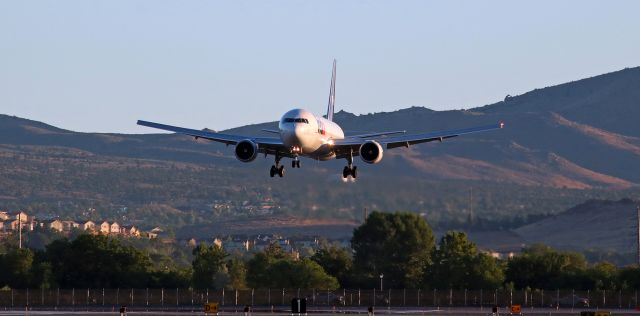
(548, 148)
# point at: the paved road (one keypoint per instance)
(359, 311)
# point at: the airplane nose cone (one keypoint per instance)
(299, 131)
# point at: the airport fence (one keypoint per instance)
(185, 298)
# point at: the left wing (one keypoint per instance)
(350, 145)
(268, 145)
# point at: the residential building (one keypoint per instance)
(4, 216)
(69, 225)
(105, 227)
(89, 226)
(55, 224)
(114, 228)
(20, 215)
(130, 230)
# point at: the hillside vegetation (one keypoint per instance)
(561, 146)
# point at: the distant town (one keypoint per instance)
(12, 222)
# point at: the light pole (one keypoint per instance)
(381, 276)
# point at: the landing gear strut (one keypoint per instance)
(295, 163)
(277, 169)
(350, 169)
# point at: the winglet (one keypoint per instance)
(332, 93)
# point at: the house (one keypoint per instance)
(114, 228)
(130, 230)
(55, 224)
(12, 224)
(69, 225)
(89, 226)
(4, 216)
(105, 227)
(20, 215)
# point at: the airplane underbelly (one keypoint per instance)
(324, 152)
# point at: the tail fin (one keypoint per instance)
(332, 93)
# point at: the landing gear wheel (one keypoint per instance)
(346, 172)
(293, 163)
(354, 172)
(298, 164)
(273, 171)
(281, 171)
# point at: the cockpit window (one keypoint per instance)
(296, 120)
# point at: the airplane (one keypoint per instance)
(303, 134)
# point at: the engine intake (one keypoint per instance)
(371, 152)
(246, 150)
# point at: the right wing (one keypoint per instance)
(351, 145)
(268, 145)
(375, 134)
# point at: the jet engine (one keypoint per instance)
(371, 152)
(246, 150)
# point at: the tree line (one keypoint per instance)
(400, 247)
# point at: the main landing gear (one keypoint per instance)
(350, 169)
(277, 169)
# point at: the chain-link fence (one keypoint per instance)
(92, 298)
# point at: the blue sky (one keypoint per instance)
(101, 65)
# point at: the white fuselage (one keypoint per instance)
(308, 135)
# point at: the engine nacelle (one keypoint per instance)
(246, 150)
(371, 152)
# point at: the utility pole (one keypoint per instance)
(364, 215)
(20, 230)
(638, 234)
(471, 206)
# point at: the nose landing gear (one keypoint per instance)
(295, 163)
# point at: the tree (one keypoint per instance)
(237, 274)
(457, 264)
(602, 276)
(486, 273)
(98, 261)
(337, 261)
(16, 267)
(541, 267)
(275, 269)
(208, 262)
(629, 277)
(305, 273)
(258, 267)
(398, 245)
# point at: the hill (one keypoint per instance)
(595, 224)
(562, 145)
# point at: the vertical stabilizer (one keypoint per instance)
(332, 93)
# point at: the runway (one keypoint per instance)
(355, 311)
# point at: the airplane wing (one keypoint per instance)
(375, 134)
(350, 145)
(268, 145)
